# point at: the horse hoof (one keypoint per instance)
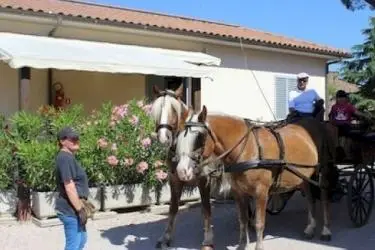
(308, 236)
(207, 247)
(327, 237)
(162, 245)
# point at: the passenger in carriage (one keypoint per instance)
(303, 101)
(342, 113)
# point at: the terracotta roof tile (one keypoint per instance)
(161, 21)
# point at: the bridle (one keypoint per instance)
(165, 93)
(197, 155)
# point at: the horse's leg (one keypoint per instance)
(243, 217)
(311, 222)
(176, 189)
(260, 215)
(326, 232)
(204, 189)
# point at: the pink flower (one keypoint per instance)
(128, 162)
(102, 143)
(161, 175)
(134, 120)
(146, 142)
(158, 164)
(140, 103)
(142, 167)
(147, 109)
(114, 147)
(119, 112)
(112, 160)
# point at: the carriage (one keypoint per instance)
(355, 173)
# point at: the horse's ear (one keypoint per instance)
(203, 114)
(180, 91)
(156, 89)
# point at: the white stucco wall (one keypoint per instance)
(234, 89)
(92, 89)
(238, 91)
(8, 90)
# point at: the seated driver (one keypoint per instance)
(342, 113)
(303, 101)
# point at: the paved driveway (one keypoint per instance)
(139, 231)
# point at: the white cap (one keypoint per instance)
(302, 75)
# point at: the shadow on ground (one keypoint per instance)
(282, 231)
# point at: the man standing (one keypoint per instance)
(302, 102)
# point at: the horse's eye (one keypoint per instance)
(199, 141)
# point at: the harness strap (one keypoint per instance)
(260, 149)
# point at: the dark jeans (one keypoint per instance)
(75, 236)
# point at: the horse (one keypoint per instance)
(260, 160)
(168, 112)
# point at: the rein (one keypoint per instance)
(227, 152)
(200, 164)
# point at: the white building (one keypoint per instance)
(251, 71)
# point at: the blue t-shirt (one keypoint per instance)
(67, 168)
(303, 101)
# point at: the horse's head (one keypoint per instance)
(195, 143)
(167, 110)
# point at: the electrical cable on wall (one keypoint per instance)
(256, 80)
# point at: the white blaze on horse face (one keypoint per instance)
(164, 134)
(185, 147)
(161, 109)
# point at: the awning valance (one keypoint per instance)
(41, 52)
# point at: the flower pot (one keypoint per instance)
(43, 203)
(124, 196)
(8, 202)
(189, 193)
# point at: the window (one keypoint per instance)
(283, 85)
(173, 83)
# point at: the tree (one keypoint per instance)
(358, 4)
(360, 69)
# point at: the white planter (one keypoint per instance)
(124, 196)
(8, 203)
(188, 194)
(43, 203)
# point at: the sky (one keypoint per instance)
(326, 22)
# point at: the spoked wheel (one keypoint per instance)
(277, 202)
(360, 195)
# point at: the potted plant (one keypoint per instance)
(35, 140)
(8, 196)
(126, 157)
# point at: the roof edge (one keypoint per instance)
(228, 38)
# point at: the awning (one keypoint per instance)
(41, 52)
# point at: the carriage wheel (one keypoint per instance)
(277, 202)
(360, 195)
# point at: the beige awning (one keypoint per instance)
(41, 52)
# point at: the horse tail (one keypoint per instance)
(221, 186)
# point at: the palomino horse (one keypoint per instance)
(168, 111)
(261, 161)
